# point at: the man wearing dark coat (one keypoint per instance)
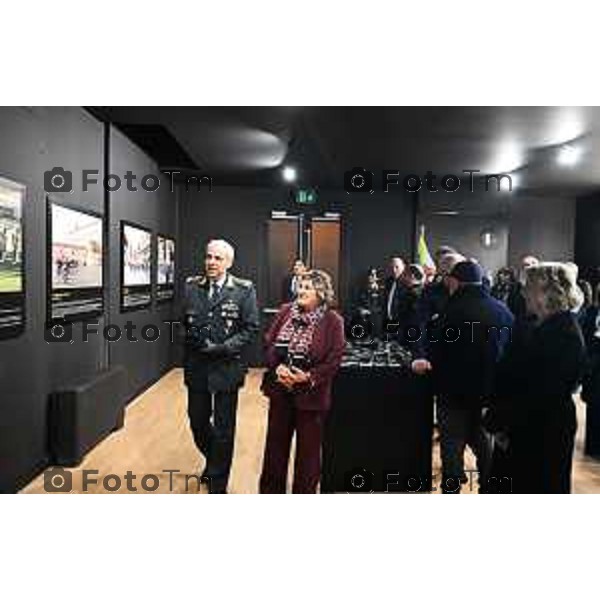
(463, 350)
(221, 318)
(396, 301)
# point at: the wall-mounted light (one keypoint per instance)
(568, 155)
(488, 238)
(289, 174)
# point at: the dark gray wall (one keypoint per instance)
(33, 141)
(543, 226)
(374, 227)
(477, 211)
(587, 246)
(464, 234)
(156, 211)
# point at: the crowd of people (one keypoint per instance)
(504, 358)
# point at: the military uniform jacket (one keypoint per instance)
(230, 321)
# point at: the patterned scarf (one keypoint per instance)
(298, 329)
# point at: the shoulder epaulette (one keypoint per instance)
(243, 282)
(197, 279)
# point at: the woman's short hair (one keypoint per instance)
(557, 282)
(323, 285)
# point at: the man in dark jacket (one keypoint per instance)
(463, 350)
(396, 298)
(290, 283)
(221, 318)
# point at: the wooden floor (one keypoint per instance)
(157, 438)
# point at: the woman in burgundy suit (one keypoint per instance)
(304, 348)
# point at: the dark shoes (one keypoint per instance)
(213, 488)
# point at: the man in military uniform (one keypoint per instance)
(221, 318)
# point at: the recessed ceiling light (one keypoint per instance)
(510, 155)
(289, 174)
(568, 155)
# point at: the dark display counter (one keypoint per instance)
(378, 435)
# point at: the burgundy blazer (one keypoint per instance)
(325, 356)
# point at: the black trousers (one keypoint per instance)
(461, 427)
(212, 419)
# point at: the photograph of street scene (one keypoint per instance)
(136, 256)
(76, 249)
(11, 237)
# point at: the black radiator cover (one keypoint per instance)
(83, 413)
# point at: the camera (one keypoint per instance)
(58, 480)
(291, 359)
(358, 180)
(300, 361)
(59, 332)
(58, 180)
(281, 352)
(358, 481)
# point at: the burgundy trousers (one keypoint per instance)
(284, 420)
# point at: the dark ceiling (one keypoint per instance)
(249, 145)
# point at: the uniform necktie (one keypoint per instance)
(214, 294)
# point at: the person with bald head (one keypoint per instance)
(221, 318)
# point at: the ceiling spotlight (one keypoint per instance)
(568, 155)
(289, 174)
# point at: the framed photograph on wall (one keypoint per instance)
(136, 267)
(165, 268)
(12, 272)
(74, 262)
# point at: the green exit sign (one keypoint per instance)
(306, 196)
